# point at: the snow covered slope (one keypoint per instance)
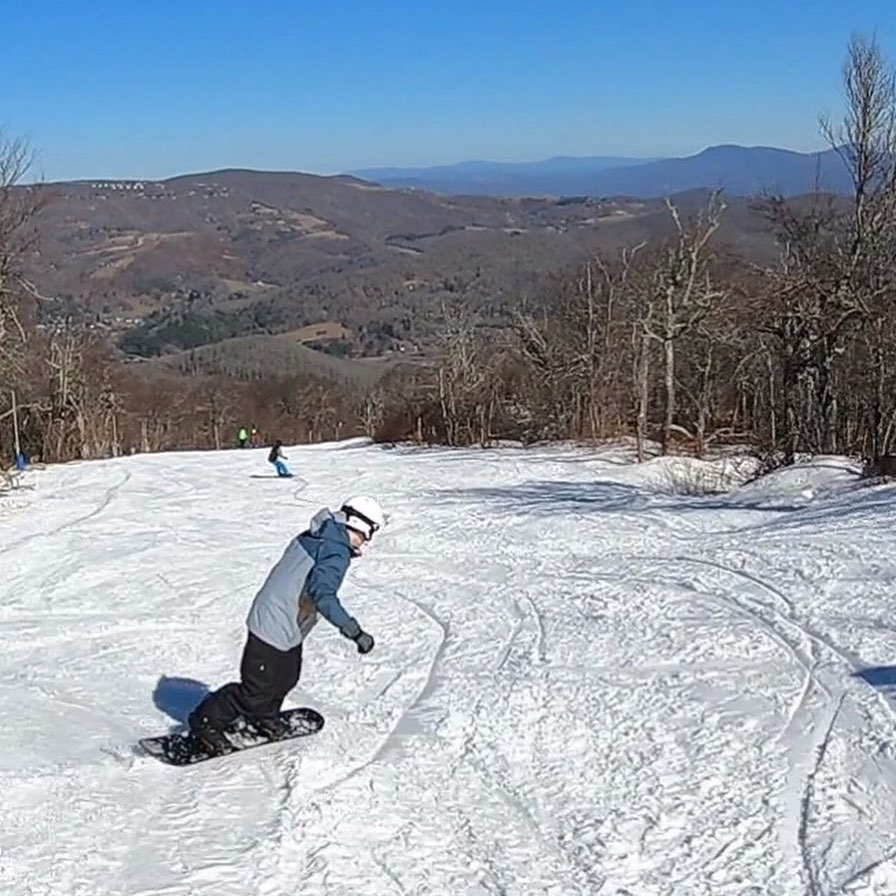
(585, 680)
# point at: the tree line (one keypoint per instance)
(674, 340)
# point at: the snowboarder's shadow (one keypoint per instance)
(883, 678)
(178, 697)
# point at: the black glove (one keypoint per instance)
(353, 631)
(364, 642)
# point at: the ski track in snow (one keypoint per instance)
(582, 683)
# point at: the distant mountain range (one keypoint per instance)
(739, 170)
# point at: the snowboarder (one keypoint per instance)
(276, 457)
(304, 582)
(242, 437)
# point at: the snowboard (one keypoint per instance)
(183, 749)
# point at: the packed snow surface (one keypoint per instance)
(589, 678)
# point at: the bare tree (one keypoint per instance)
(466, 384)
(836, 278)
(373, 411)
(547, 409)
(642, 346)
(597, 322)
(574, 346)
(18, 205)
(718, 371)
(683, 294)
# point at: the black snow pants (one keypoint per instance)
(267, 675)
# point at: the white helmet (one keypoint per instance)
(364, 515)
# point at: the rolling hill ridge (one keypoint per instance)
(172, 265)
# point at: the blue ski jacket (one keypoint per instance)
(305, 581)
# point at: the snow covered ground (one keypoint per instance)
(585, 680)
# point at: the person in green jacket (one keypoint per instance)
(243, 437)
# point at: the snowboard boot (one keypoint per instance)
(271, 727)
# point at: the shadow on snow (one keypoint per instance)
(882, 678)
(600, 496)
(178, 697)
(606, 496)
(559, 496)
(878, 676)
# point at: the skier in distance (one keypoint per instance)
(277, 458)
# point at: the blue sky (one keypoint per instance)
(129, 88)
